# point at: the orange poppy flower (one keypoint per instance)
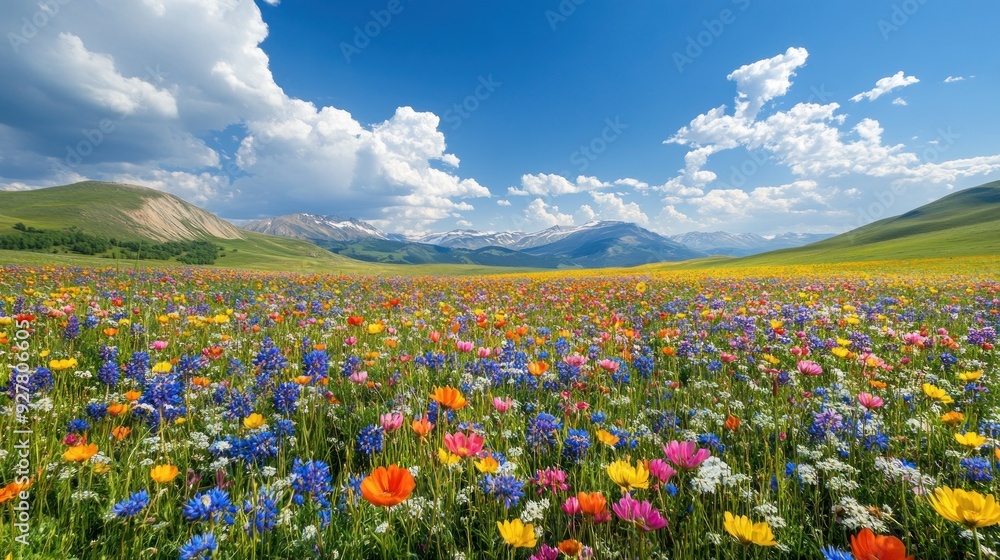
(121, 432)
(80, 453)
(732, 423)
(201, 381)
(133, 395)
(355, 320)
(882, 547)
(592, 503)
(422, 427)
(12, 490)
(387, 487)
(163, 473)
(117, 409)
(449, 397)
(538, 368)
(111, 331)
(570, 547)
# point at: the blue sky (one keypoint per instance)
(522, 115)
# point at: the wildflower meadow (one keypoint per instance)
(202, 413)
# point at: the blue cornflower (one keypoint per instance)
(108, 373)
(504, 487)
(241, 404)
(977, 469)
(315, 364)
(311, 479)
(165, 396)
(72, 329)
(96, 411)
(78, 426)
(576, 445)
(369, 440)
(132, 506)
(541, 432)
(210, 506)
(598, 418)
(265, 512)
(198, 547)
(832, 553)
(286, 397)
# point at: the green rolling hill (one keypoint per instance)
(964, 223)
(134, 213)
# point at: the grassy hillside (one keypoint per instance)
(965, 223)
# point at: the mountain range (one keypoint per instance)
(964, 223)
(594, 244)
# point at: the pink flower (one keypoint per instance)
(159, 345)
(553, 479)
(546, 552)
(464, 346)
(686, 455)
(914, 339)
(608, 365)
(359, 377)
(572, 506)
(808, 367)
(502, 405)
(391, 421)
(643, 515)
(727, 357)
(870, 401)
(575, 360)
(463, 445)
(661, 470)
(484, 352)
(351, 340)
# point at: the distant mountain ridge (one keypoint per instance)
(744, 244)
(593, 244)
(312, 227)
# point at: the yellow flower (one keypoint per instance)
(840, 352)
(375, 328)
(970, 439)
(771, 359)
(60, 365)
(749, 533)
(487, 465)
(937, 393)
(971, 375)
(162, 367)
(517, 534)
(253, 421)
(628, 477)
(971, 509)
(163, 473)
(447, 459)
(607, 438)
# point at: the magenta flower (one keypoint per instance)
(870, 401)
(464, 445)
(391, 421)
(808, 367)
(546, 552)
(685, 455)
(159, 345)
(643, 515)
(661, 469)
(553, 479)
(572, 506)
